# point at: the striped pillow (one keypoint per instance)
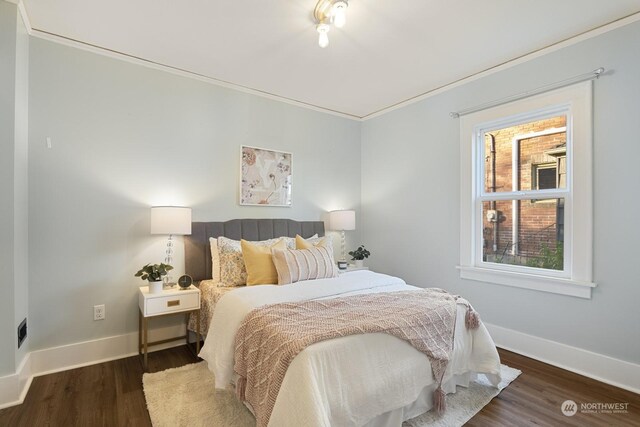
(304, 264)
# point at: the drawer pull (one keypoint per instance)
(173, 303)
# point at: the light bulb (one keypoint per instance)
(340, 13)
(323, 37)
(323, 40)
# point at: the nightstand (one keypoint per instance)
(168, 302)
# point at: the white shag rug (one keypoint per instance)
(186, 396)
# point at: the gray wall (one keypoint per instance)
(7, 147)
(410, 198)
(126, 137)
(14, 52)
(21, 188)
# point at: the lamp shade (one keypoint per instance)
(170, 220)
(342, 220)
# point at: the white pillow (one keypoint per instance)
(215, 259)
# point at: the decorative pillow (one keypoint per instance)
(304, 264)
(302, 243)
(291, 241)
(215, 259)
(259, 263)
(232, 269)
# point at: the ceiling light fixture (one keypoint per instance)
(329, 12)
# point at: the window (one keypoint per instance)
(526, 193)
(545, 177)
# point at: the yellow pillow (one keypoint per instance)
(257, 259)
(302, 243)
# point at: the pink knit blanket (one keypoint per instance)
(271, 336)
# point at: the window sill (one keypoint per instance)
(529, 281)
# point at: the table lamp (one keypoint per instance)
(344, 220)
(170, 220)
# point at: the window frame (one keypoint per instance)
(575, 279)
(535, 176)
(481, 195)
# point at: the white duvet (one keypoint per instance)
(370, 379)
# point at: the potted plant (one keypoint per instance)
(359, 255)
(153, 273)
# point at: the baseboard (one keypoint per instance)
(606, 369)
(14, 387)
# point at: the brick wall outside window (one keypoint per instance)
(538, 222)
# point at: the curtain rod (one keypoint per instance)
(577, 79)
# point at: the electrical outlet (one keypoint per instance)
(99, 312)
(22, 332)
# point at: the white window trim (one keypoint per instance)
(576, 279)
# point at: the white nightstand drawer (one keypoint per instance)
(172, 303)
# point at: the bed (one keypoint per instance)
(198, 253)
(372, 379)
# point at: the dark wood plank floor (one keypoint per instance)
(535, 397)
(110, 394)
(107, 394)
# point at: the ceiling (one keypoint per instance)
(388, 52)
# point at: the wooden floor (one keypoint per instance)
(534, 398)
(110, 394)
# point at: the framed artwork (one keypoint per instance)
(265, 177)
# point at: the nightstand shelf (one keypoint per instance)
(168, 302)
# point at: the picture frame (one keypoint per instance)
(265, 177)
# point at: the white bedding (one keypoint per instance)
(370, 379)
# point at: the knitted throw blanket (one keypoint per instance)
(271, 336)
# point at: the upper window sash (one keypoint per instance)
(478, 153)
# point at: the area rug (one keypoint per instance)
(186, 396)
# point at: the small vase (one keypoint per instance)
(359, 263)
(155, 287)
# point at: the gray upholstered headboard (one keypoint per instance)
(197, 252)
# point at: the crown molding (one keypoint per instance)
(618, 23)
(23, 13)
(181, 72)
(24, 16)
(621, 22)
